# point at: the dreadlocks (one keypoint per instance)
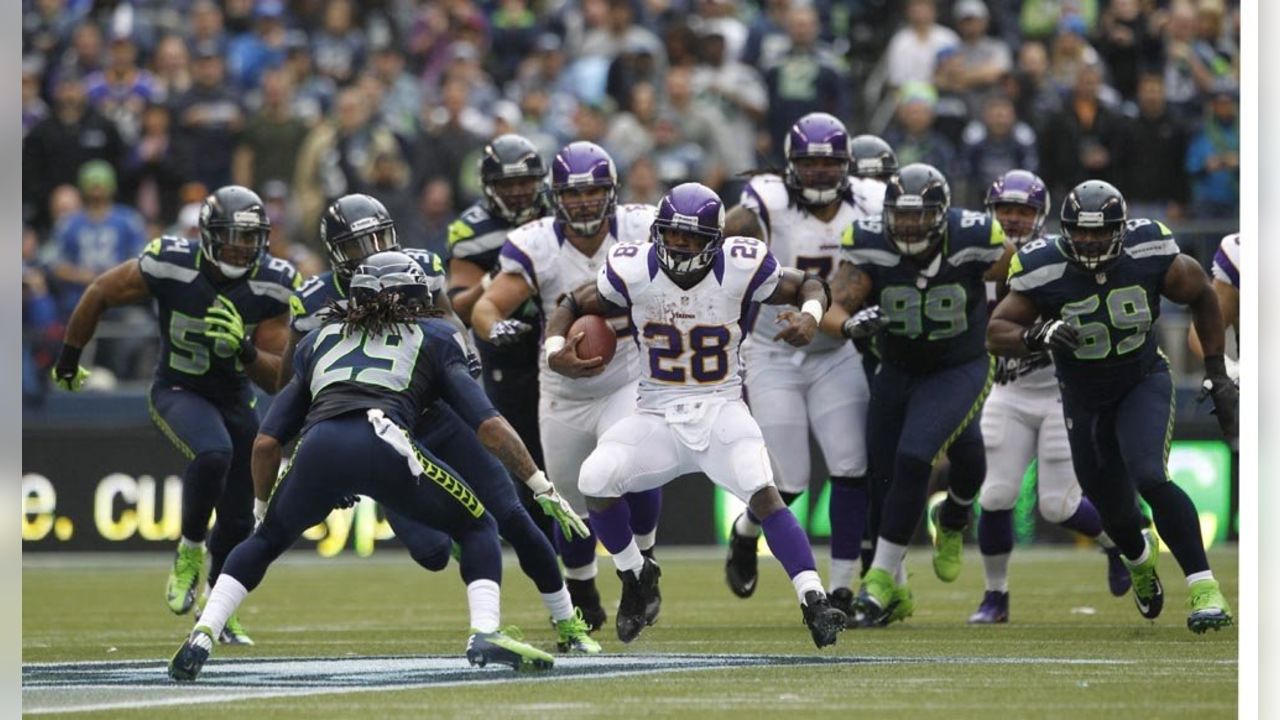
(379, 315)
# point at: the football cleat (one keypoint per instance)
(741, 569)
(1118, 580)
(186, 663)
(586, 597)
(994, 609)
(505, 647)
(842, 600)
(903, 606)
(572, 635)
(876, 598)
(233, 633)
(639, 595)
(947, 547)
(180, 591)
(1148, 593)
(824, 621)
(1209, 609)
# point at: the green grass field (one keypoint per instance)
(1071, 650)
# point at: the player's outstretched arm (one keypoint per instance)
(810, 293)
(264, 465)
(1186, 283)
(467, 282)
(489, 317)
(1013, 330)
(499, 438)
(121, 285)
(562, 353)
(850, 288)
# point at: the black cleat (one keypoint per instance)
(993, 610)
(741, 567)
(639, 598)
(1118, 579)
(586, 597)
(842, 600)
(824, 621)
(190, 658)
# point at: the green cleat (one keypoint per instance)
(573, 637)
(186, 663)
(1148, 593)
(1209, 609)
(504, 647)
(947, 545)
(180, 592)
(875, 602)
(903, 605)
(233, 633)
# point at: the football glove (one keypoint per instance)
(67, 373)
(473, 365)
(555, 506)
(865, 323)
(224, 323)
(1226, 396)
(1051, 335)
(509, 331)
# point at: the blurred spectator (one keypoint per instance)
(632, 66)
(121, 91)
(1079, 141)
(983, 59)
(238, 16)
(95, 239)
(720, 18)
(389, 181)
(171, 68)
(620, 32)
(155, 168)
(1214, 46)
(700, 123)
(312, 93)
(1151, 156)
(83, 57)
(464, 65)
(34, 108)
(208, 117)
(338, 48)
(250, 54)
(807, 78)
(57, 146)
(64, 202)
(1213, 159)
(514, 34)
(914, 49)
(913, 136)
(450, 138)
(287, 234)
(1187, 74)
(1126, 43)
(631, 131)
(46, 26)
(1040, 18)
(1071, 51)
(641, 185)
(188, 223)
(767, 34)
(1037, 97)
(206, 26)
(738, 92)
(952, 110)
(41, 326)
(267, 149)
(428, 227)
(402, 95)
(995, 145)
(591, 123)
(676, 158)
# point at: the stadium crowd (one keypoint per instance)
(133, 111)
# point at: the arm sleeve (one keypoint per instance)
(465, 395)
(288, 412)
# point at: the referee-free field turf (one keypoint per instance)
(380, 638)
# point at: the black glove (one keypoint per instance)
(509, 331)
(1226, 396)
(865, 323)
(347, 501)
(1051, 335)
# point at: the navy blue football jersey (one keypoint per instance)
(184, 288)
(938, 312)
(478, 237)
(310, 303)
(1113, 310)
(399, 372)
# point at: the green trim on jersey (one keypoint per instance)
(449, 483)
(168, 431)
(973, 411)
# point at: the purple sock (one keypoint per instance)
(788, 542)
(645, 508)
(1085, 520)
(576, 552)
(848, 513)
(995, 532)
(613, 527)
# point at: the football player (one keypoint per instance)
(1021, 421)
(1226, 283)
(920, 273)
(1090, 297)
(224, 320)
(367, 375)
(544, 260)
(692, 294)
(820, 387)
(513, 180)
(354, 228)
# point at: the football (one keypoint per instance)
(599, 339)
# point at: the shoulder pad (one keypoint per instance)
(171, 258)
(1037, 263)
(475, 232)
(863, 243)
(767, 191)
(430, 262)
(309, 301)
(1226, 261)
(974, 237)
(628, 269)
(275, 278)
(743, 253)
(634, 221)
(1148, 238)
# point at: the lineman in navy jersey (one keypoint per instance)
(1097, 291)
(366, 378)
(223, 308)
(439, 428)
(920, 272)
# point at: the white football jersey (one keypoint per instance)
(540, 253)
(800, 240)
(690, 338)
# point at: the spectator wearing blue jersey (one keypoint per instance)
(1213, 159)
(251, 54)
(121, 90)
(97, 238)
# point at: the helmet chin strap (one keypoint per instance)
(231, 271)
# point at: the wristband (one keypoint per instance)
(813, 308)
(259, 508)
(68, 361)
(486, 281)
(248, 352)
(1215, 366)
(538, 483)
(552, 345)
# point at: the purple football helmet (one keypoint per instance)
(817, 135)
(688, 208)
(1020, 187)
(577, 167)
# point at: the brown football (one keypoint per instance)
(598, 340)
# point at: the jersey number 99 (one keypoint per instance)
(943, 306)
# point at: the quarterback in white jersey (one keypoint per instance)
(1022, 421)
(821, 387)
(546, 259)
(691, 293)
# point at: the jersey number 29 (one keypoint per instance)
(383, 360)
